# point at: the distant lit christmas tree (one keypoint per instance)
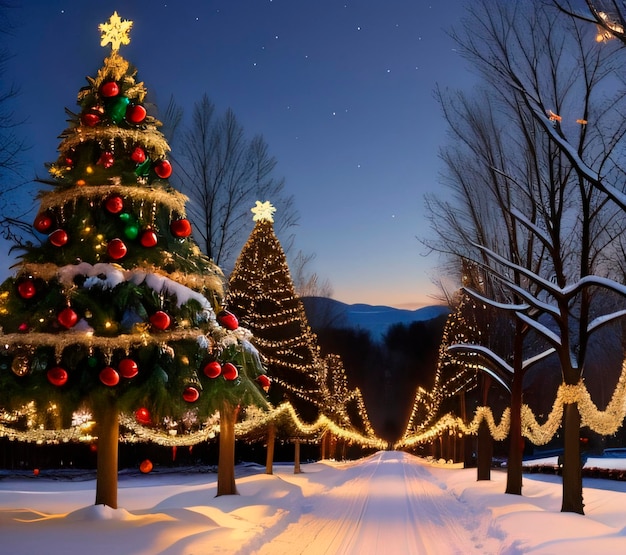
(262, 295)
(117, 309)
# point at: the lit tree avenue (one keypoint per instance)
(117, 310)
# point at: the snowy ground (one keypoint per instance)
(390, 503)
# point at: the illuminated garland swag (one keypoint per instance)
(603, 422)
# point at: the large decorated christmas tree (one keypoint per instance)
(117, 310)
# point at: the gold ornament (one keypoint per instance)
(20, 365)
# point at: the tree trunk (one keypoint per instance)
(226, 461)
(296, 457)
(572, 466)
(269, 458)
(323, 446)
(107, 422)
(516, 441)
(484, 452)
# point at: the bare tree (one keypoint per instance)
(549, 79)
(308, 283)
(224, 173)
(12, 144)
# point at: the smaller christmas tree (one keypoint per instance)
(262, 295)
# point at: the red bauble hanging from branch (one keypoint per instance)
(128, 368)
(138, 155)
(67, 318)
(116, 249)
(228, 320)
(57, 376)
(181, 228)
(213, 369)
(160, 320)
(264, 382)
(114, 204)
(58, 238)
(106, 159)
(163, 169)
(135, 113)
(149, 238)
(43, 222)
(109, 376)
(26, 288)
(109, 89)
(229, 371)
(191, 394)
(142, 415)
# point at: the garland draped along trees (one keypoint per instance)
(116, 309)
(605, 422)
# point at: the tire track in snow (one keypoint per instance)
(392, 506)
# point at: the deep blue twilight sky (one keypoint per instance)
(341, 90)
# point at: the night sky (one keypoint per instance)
(342, 92)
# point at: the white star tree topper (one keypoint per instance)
(115, 31)
(263, 211)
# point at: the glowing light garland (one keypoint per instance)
(210, 430)
(604, 422)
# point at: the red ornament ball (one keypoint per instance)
(229, 371)
(57, 376)
(26, 289)
(181, 228)
(149, 238)
(146, 466)
(213, 369)
(228, 320)
(191, 394)
(43, 222)
(67, 318)
(116, 249)
(106, 160)
(109, 376)
(90, 119)
(35, 472)
(163, 169)
(138, 155)
(58, 238)
(264, 382)
(142, 415)
(109, 89)
(135, 113)
(128, 368)
(160, 320)
(114, 204)
(23, 327)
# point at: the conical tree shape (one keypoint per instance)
(116, 308)
(262, 295)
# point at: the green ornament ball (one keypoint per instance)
(131, 231)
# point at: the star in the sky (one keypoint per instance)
(115, 31)
(263, 211)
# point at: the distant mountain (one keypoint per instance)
(323, 312)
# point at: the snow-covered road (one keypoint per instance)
(387, 502)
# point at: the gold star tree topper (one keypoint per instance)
(263, 211)
(115, 31)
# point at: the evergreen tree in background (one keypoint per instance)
(262, 295)
(117, 310)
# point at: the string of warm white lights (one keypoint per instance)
(604, 422)
(169, 438)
